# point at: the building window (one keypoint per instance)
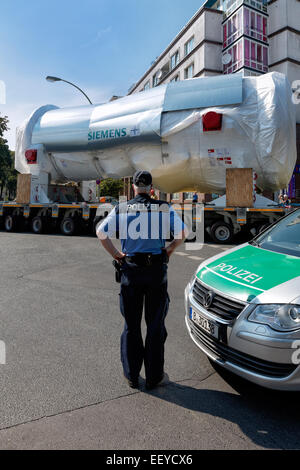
(189, 46)
(246, 22)
(255, 25)
(175, 196)
(233, 29)
(189, 72)
(265, 58)
(147, 86)
(225, 35)
(265, 29)
(231, 5)
(247, 53)
(236, 53)
(164, 70)
(155, 79)
(259, 27)
(188, 196)
(175, 60)
(176, 78)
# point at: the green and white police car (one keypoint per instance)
(243, 307)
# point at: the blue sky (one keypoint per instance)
(104, 46)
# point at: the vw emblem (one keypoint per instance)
(208, 299)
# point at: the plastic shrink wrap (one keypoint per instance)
(163, 130)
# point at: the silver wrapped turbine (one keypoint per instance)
(164, 130)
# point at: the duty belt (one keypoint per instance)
(148, 259)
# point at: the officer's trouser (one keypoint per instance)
(144, 286)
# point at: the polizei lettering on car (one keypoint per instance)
(247, 276)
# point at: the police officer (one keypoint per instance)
(143, 224)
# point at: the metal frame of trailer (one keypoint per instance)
(43, 217)
(221, 223)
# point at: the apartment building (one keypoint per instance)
(251, 37)
(195, 52)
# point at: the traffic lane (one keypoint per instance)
(183, 360)
(63, 354)
(61, 323)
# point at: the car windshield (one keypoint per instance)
(284, 237)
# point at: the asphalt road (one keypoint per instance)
(62, 386)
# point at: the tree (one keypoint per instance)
(111, 187)
(12, 177)
(8, 175)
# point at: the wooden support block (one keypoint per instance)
(239, 187)
(23, 189)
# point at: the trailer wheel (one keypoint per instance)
(37, 225)
(221, 232)
(11, 223)
(68, 226)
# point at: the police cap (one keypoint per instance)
(142, 178)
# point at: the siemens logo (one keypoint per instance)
(107, 134)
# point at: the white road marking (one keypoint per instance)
(220, 247)
(197, 258)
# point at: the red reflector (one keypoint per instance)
(31, 156)
(212, 121)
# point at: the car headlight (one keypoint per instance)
(279, 317)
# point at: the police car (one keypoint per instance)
(243, 307)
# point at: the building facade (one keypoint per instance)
(251, 37)
(195, 52)
(245, 38)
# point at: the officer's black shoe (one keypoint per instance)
(150, 384)
(133, 383)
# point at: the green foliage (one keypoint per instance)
(110, 187)
(8, 175)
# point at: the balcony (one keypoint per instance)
(233, 5)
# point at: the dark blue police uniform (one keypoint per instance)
(144, 282)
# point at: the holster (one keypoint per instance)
(117, 267)
(165, 257)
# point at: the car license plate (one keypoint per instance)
(205, 324)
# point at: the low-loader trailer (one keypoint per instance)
(226, 134)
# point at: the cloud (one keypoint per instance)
(99, 35)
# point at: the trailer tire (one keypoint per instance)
(37, 225)
(11, 223)
(68, 226)
(221, 232)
